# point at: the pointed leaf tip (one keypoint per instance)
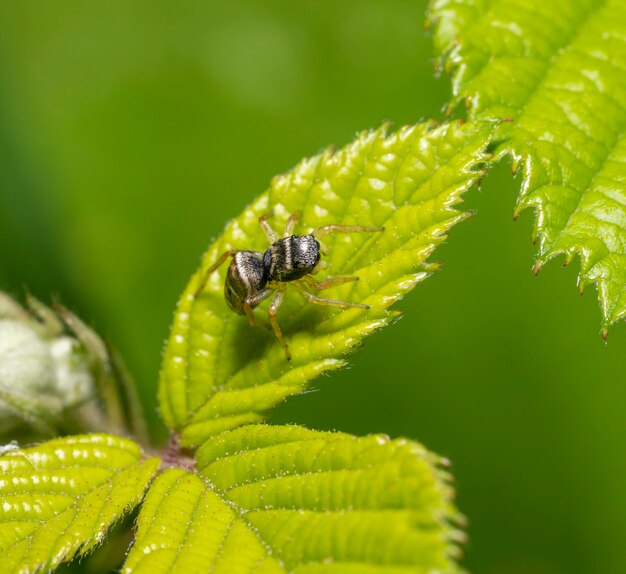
(217, 372)
(555, 71)
(60, 497)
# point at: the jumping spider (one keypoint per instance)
(253, 276)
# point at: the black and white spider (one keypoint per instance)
(253, 276)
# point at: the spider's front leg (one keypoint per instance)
(291, 223)
(328, 302)
(327, 283)
(335, 228)
(267, 228)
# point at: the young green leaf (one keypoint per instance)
(184, 526)
(60, 497)
(556, 67)
(218, 373)
(286, 499)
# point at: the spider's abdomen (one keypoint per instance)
(291, 258)
(246, 279)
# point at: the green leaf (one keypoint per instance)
(557, 68)
(184, 526)
(287, 499)
(218, 373)
(60, 497)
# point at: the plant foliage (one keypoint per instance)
(218, 373)
(286, 499)
(60, 497)
(556, 68)
(259, 498)
(263, 499)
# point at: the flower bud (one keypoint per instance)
(43, 372)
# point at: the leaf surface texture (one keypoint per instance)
(218, 373)
(61, 497)
(273, 499)
(556, 68)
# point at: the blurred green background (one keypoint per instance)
(130, 132)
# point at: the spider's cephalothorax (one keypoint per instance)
(253, 276)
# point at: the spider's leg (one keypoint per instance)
(251, 302)
(220, 260)
(291, 223)
(250, 315)
(321, 265)
(274, 305)
(324, 250)
(328, 302)
(334, 228)
(267, 228)
(327, 283)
